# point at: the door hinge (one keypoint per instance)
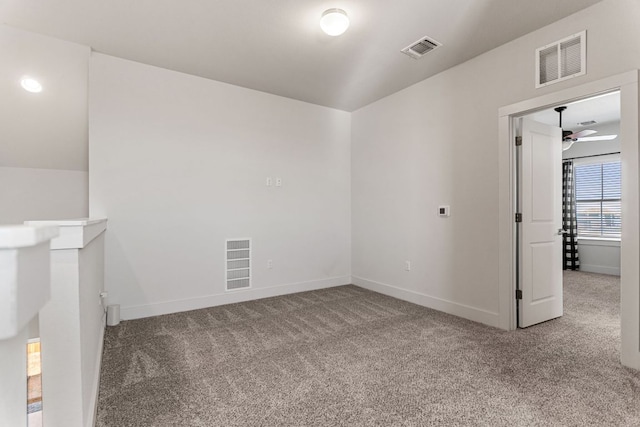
(518, 141)
(518, 293)
(518, 217)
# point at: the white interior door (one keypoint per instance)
(540, 237)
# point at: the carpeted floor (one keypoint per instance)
(349, 357)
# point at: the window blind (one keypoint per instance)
(598, 193)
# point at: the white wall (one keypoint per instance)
(43, 137)
(437, 143)
(599, 256)
(179, 163)
(40, 194)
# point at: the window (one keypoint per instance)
(598, 191)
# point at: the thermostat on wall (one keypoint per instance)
(443, 210)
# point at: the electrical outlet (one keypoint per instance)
(269, 181)
(270, 264)
(278, 182)
(407, 265)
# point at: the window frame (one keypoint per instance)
(598, 159)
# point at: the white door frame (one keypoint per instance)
(627, 84)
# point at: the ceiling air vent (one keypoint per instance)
(421, 47)
(561, 60)
(238, 260)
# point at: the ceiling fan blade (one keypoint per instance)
(597, 138)
(567, 144)
(580, 134)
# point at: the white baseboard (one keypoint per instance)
(630, 359)
(450, 307)
(167, 307)
(95, 390)
(602, 269)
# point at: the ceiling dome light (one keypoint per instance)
(334, 22)
(31, 85)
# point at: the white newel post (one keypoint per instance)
(24, 290)
(72, 324)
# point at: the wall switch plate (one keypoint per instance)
(269, 181)
(407, 265)
(278, 182)
(443, 211)
(270, 264)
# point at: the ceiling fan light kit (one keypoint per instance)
(569, 137)
(597, 138)
(334, 21)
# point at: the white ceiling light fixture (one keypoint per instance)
(31, 85)
(334, 22)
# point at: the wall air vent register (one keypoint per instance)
(238, 264)
(561, 60)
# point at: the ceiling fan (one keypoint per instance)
(569, 137)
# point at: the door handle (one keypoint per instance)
(562, 232)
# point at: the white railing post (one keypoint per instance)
(24, 290)
(72, 324)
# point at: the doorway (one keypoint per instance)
(627, 84)
(577, 178)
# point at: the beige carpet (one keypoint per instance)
(349, 357)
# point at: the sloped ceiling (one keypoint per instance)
(276, 46)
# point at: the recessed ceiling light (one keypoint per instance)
(334, 22)
(31, 85)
